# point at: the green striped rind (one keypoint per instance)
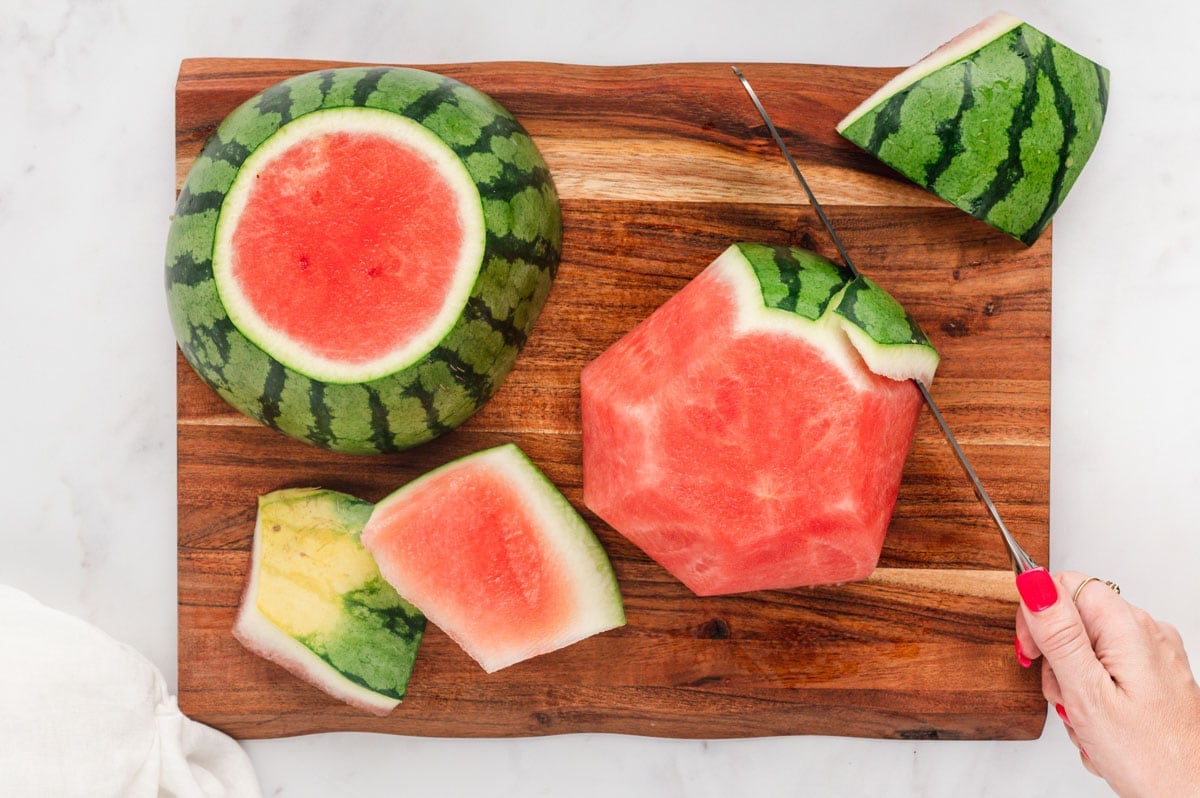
(794, 279)
(317, 604)
(873, 310)
(813, 288)
(1002, 133)
(438, 391)
(885, 334)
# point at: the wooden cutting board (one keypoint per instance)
(659, 169)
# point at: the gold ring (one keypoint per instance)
(1113, 586)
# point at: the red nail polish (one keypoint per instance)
(1037, 589)
(1021, 658)
(1062, 713)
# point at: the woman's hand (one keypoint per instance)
(1119, 679)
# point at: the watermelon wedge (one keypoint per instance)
(751, 433)
(496, 557)
(316, 604)
(999, 121)
(358, 255)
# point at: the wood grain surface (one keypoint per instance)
(659, 168)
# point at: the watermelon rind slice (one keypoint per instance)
(1000, 122)
(316, 604)
(797, 292)
(463, 602)
(403, 398)
(884, 333)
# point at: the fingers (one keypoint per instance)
(1058, 633)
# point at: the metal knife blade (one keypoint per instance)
(1021, 561)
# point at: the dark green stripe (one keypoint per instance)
(367, 86)
(186, 270)
(794, 279)
(1011, 169)
(189, 203)
(1062, 104)
(879, 315)
(209, 346)
(949, 131)
(381, 430)
(324, 83)
(479, 386)
(513, 335)
(887, 120)
(321, 429)
(1101, 88)
(230, 151)
(425, 106)
(272, 392)
(277, 100)
(426, 398)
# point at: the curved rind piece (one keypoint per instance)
(438, 391)
(885, 334)
(999, 122)
(316, 604)
(812, 297)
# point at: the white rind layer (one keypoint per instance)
(254, 631)
(825, 333)
(406, 132)
(597, 598)
(959, 47)
(840, 341)
(895, 361)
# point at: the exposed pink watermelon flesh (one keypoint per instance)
(495, 557)
(448, 542)
(742, 459)
(338, 254)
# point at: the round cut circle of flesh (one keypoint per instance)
(349, 244)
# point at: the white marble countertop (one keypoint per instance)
(88, 445)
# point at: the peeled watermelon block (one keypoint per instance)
(490, 551)
(316, 604)
(751, 433)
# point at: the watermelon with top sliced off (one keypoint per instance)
(751, 433)
(316, 604)
(490, 551)
(358, 255)
(999, 121)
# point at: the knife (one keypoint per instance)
(1021, 562)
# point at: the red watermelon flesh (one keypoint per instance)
(495, 557)
(368, 258)
(737, 453)
(355, 246)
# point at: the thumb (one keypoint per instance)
(1059, 633)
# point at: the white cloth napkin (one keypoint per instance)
(82, 714)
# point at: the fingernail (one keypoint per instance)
(1037, 589)
(1062, 713)
(1021, 658)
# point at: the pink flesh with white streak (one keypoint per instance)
(742, 460)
